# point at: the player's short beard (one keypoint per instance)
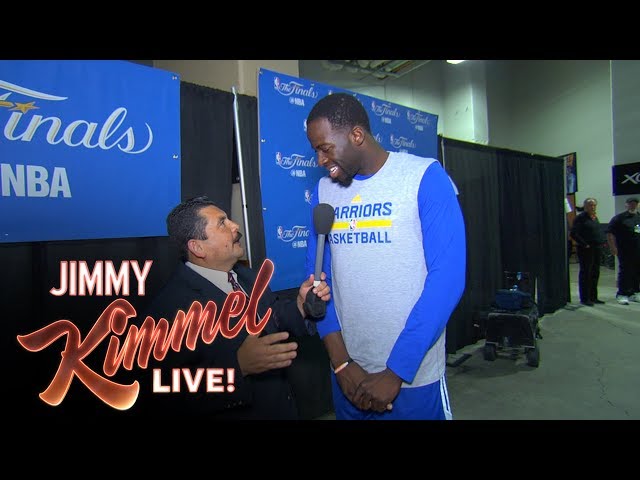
(348, 174)
(346, 182)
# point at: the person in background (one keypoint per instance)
(396, 262)
(589, 236)
(572, 178)
(567, 211)
(623, 235)
(210, 247)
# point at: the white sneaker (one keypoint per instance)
(635, 297)
(622, 299)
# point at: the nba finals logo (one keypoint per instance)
(297, 232)
(293, 88)
(96, 135)
(384, 109)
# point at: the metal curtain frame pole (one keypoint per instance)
(241, 169)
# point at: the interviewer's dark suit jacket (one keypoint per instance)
(264, 396)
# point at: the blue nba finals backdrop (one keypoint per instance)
(89, 149)
(289, 168)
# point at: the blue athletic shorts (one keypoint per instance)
(430, 402)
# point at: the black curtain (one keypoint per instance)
(513, 206)
(474, 171)
(533, 223)
(206, 135)
(250, 143)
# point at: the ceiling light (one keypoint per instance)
(455, 62)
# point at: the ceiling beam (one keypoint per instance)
(380, 69)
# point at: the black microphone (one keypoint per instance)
(313, 305)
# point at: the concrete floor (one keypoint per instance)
(589, 362)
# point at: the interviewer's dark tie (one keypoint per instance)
(235, 285)
(236, 288)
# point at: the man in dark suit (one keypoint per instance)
(588, 234)
(210, 248)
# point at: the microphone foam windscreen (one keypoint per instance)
(323, 218)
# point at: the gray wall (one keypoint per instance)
(555, 107)
(421, 89)
(625, 78)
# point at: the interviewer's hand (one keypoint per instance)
(322, 291)
(259, 354)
